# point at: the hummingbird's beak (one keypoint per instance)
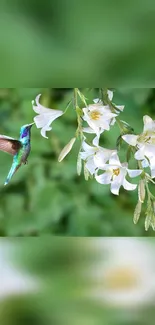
(30, 125)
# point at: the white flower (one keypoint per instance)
(124, 276)
(66, 149)
(115, 174)
(94, 155)
(46, 116)
(13, 281)
(98, 117)
(145, 143)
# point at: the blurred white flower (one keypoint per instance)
(46, 116)
(66, 149)
(115, 174)
(124, 276)
(98, 117)
(12, 280)
(92, 155)
(145, 143)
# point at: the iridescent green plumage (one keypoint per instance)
(20, 149)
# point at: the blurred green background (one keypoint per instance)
(48, 198)
(77, 281)
(64, 42)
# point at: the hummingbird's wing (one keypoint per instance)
(9, 145)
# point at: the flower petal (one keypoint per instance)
(130, 139)
(102, 156)
(128, 186)
(114, 159)
(88, 130)
(153, 172)
(44, 130)
(96, 100)
(134, 172)
(149, 150)
(140, 155)
(104, 178)
(96, 141)
(39, 121)
(115, 188)
(145, 163)
(90, 165)
(152, 166)
(88, 151)
(110, 95)
(113, 121)
(87, 147)
(149, 124)
(121, 108)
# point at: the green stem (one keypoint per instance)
(78, 112)
(104, 92)
(151, 196)
(75, 98)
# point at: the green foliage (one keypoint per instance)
(72, 284)
(47, 197)
(65, 42)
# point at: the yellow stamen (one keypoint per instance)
(121, 279)
(95, 115)
(147, 137)
(116, 171)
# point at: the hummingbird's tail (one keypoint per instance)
(12, 171)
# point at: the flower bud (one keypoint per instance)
(149, 215)
(86, 173)
(137, 212)
(141, 191)
(66, 149)
(79, 164)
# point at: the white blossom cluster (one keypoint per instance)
(123, 277)
(104, 164)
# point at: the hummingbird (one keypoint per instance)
(19, 149)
